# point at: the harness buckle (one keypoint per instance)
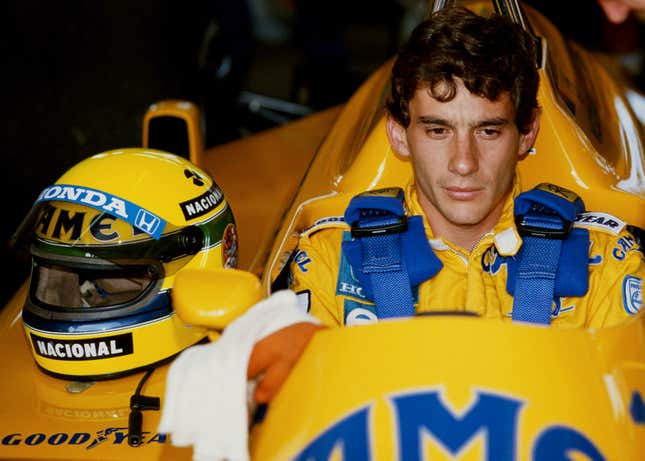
(400, 224)
(543, 225)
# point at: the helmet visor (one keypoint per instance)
(74, 287)
(90, 259)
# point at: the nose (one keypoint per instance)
(464, 158)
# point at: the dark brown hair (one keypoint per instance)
(491, 55)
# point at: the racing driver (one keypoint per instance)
(463, 107)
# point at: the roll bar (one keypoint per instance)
(509, 8)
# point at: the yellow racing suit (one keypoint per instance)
(474, 281)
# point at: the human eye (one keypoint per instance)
(437, 131)
(489, 132)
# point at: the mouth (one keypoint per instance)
(463, 193)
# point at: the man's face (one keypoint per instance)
(464, 152)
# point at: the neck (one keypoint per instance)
(465, 236)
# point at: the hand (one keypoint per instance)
(275, 356)
(617, 11)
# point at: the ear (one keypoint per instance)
(397, 137)
(527, 140)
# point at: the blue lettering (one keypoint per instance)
(594, 259)
(119, 436)
(11, 439)
(159, 438)
(637, 408)
(423, 414)
(79, 438)
(35, 439)
(302, 260)
(349, 435)
(557, 308)
(101, 230)
(493, 415)
(558, 442)
(57, 439)
(492, 261)
(625, 244)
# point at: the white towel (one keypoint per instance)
(205, 402)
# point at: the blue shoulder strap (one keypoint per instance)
(553, 259)
(389, 252)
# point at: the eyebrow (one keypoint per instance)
(429, 120)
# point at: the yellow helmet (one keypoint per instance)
(107, 240)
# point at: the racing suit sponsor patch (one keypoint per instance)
(302, 260)
(492, 261)
(624, 245)
(632, 294)
(350, 289)
(603, 221)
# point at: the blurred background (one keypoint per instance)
(79, 75)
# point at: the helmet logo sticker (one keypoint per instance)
(146, 221)
(83, 349)
(202, 204)
(67, 225)
(131, 213)
(197, 179)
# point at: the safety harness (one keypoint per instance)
(390, 254)
(389, 251)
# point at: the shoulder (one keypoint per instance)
(320, 242)
(335, 223)
(324, 235)
(609, 231)
(613, 242)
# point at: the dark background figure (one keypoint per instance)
(79, 75)
(585, 22)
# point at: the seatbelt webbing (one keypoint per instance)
(536, 275)
(385, 265)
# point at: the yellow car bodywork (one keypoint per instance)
(501, 392)
(586, 384)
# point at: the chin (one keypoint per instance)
(464, 215)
